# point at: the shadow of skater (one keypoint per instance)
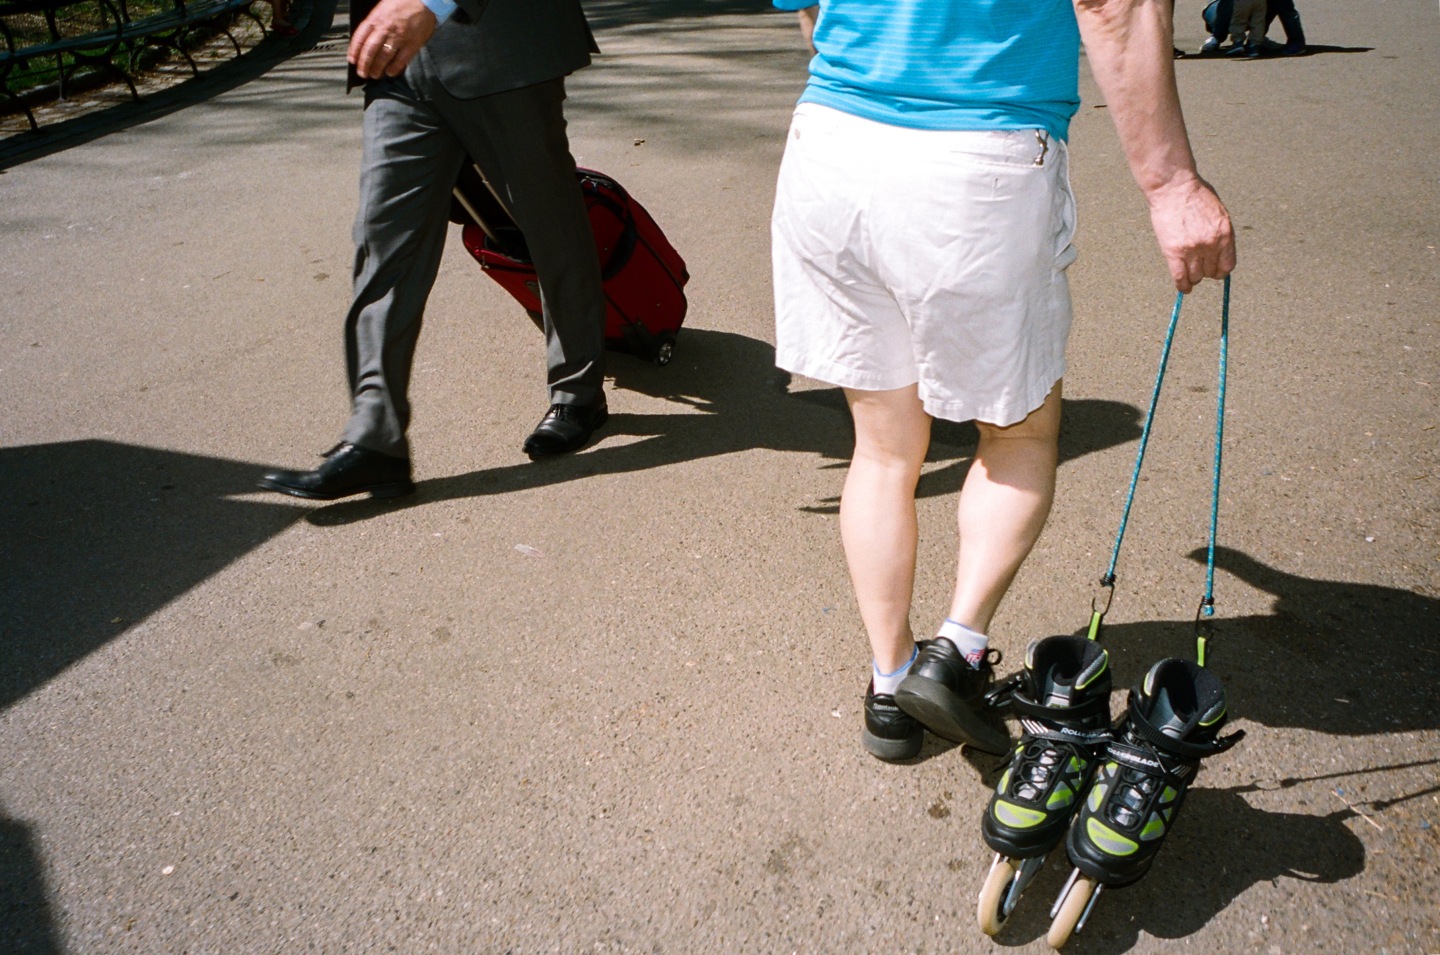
(26, 924)
(729, 397)
(1221, 846)
(99, 535)
(1336, 657)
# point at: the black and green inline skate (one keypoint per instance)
(1172, 722)
(1063, 701)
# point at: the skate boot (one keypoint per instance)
(1063, 701)
(1173, 721)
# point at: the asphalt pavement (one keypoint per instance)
(612, 703)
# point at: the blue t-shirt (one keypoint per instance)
(947, 64)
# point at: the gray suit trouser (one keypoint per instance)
(416, 136)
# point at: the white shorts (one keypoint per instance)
(907, 256)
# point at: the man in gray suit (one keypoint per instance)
(444, 79)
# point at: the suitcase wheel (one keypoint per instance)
(665, 349)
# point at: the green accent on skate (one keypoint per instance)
(1097, 796)
(1094, 676)
(1062, 796)
(1075, 766)
(1108, 840)
(1168, 795)
(1017, 816)
(1004, 783)
(1217, 718)
(1154, 829)
(1094, 633)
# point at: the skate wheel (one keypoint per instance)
(1071, 909)
(990, 911)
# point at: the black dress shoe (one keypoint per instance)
(565, 428)
(347, 470)
(947, 695)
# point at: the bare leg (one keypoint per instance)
(877, 515)
(1003, 507)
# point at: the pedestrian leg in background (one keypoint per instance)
(518, 140)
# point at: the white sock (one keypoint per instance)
(887, 683)
(970, 643)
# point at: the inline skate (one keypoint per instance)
(1063, 700)
(1172, 722)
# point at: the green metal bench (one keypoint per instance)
(98, 34)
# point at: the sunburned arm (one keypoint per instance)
(1128, 44)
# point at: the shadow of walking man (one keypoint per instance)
(728, 397)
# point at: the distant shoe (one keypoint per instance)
(565, 428)
(1293, 49)
(890, 733)
(947, 695)
(347, 470)
(1210, 47)
(1241, 50)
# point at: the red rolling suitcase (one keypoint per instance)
(643, 276)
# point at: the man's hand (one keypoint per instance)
(1194, 231)
(390, 37)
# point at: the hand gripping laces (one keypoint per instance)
(1100, 604)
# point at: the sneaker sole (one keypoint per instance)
(891, 750)
(943, 713)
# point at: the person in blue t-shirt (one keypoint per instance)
(922, 228)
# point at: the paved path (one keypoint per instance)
(234, 723)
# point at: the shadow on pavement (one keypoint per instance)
(731, 398)
(26, 924)
(1221, 846)
(100, 535)
(1334, 657)
(1313, 49)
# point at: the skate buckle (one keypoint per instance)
(1100, 605)
(998, 696)
(1204, 628)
